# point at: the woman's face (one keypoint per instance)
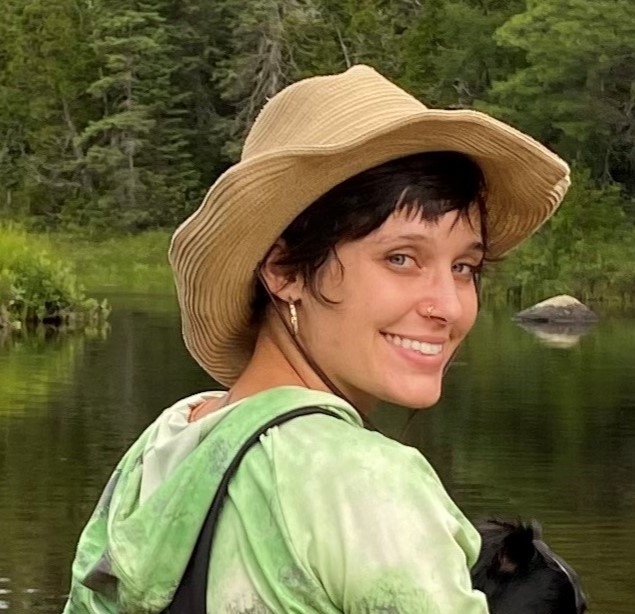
(405, 301)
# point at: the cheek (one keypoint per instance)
(373, 303)
(348, 325)
(325, 327)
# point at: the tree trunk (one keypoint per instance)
(87, 184)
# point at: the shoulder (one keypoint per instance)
(359, 506)
(320, 461)
(323, 446)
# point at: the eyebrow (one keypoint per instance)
(476, 246)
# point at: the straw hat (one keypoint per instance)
(307, 139)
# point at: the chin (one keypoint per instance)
(414, 397)
(400, 383)
(418, 404)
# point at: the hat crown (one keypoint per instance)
(328, 110)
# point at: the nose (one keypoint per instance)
(440, 297)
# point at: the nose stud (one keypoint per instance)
(429, 311)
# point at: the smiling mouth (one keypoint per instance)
(420, 347)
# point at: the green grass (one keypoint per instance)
(130, 263)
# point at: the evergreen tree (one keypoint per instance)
(44, 70)
(576, 88)
(258, 64)
(137, 151)
(201, 37)
(120, 113)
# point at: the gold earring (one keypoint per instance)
(293, 312)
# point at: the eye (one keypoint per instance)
(464, 269)
(400, 260)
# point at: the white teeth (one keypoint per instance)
(428, 349)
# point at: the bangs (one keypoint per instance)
(414, 208)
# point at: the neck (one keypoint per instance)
(270, 367)
(276, 361)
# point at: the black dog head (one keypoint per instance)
(520, 574)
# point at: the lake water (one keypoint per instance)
(524, 429)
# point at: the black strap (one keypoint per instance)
(191, 595)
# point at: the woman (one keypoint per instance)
(335, 266)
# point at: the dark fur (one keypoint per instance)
(519, 574)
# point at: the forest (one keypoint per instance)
(117, 115)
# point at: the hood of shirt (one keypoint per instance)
(138, 541)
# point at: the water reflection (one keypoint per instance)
(523, 429)
(563, 336)
(34, 363)
(540, 432)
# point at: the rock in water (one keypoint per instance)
(558, 309)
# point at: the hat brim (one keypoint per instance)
(215, 251)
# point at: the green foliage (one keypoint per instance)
(44, 66)
(116, 116)
(576, 89)
(450, 70)
(36, 287)
(136, 151)
(587, 249)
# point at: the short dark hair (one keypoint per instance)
(427, 184)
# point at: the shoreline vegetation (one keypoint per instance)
(39, 288)
(588, 251)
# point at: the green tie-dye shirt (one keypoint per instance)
(322, 516)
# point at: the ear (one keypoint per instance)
(517, 550)
(280, 282)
